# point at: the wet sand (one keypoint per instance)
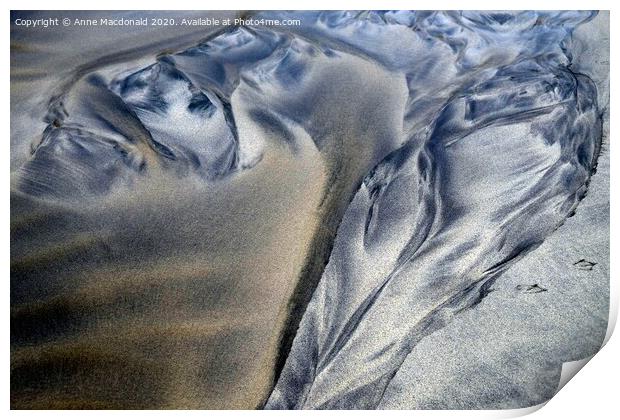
(173, 292)
(235, 217)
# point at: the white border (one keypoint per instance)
(592, 394)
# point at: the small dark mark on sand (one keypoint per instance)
(531, 288)
(584, 264)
